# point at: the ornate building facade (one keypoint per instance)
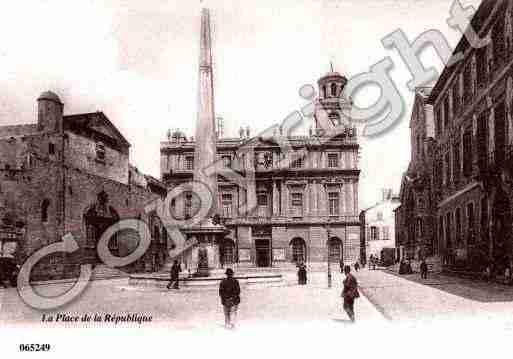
(71, 174)
(473, 134)
(304, 208)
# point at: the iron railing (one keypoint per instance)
(321, 220)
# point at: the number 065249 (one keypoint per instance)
(34, 347)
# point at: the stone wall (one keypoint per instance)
(81, 153)
(25, 193)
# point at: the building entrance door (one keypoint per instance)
(263, 253)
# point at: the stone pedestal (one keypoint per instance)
(203, 269)
(205, 253)
(205, 258)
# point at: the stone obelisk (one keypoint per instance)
(207, 234)
(205, 147)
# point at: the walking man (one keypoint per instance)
(175, 273)
(423, 269)
(350, 293)
(229, 291)
(301, 274)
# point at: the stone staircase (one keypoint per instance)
(102, 271)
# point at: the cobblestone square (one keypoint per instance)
(200, 308)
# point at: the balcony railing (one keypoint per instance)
(320, 220)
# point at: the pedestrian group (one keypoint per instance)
(229, 290)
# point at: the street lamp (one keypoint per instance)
(328, 232)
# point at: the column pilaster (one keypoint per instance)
(276, 199)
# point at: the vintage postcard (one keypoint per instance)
(227, 178)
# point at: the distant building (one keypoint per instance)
(414, 219)
(380, 224)
(71, 174)
(299, 202)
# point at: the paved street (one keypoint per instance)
(403, 299)
(199, 308)
(310, 318)
(409, 298)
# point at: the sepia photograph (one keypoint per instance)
(259, 178)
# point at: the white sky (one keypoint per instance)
(137, 62)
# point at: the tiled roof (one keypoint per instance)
(88, 120)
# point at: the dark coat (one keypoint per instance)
(350, 291)
(301, 274)
(229, 291)
(423, 267)
(175, 271)
(402, 268)
(8, 270)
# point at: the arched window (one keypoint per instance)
(324, 91)
(227, 250)
(44, 210)
(334, 89)
(298, 250)
(335, 249)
